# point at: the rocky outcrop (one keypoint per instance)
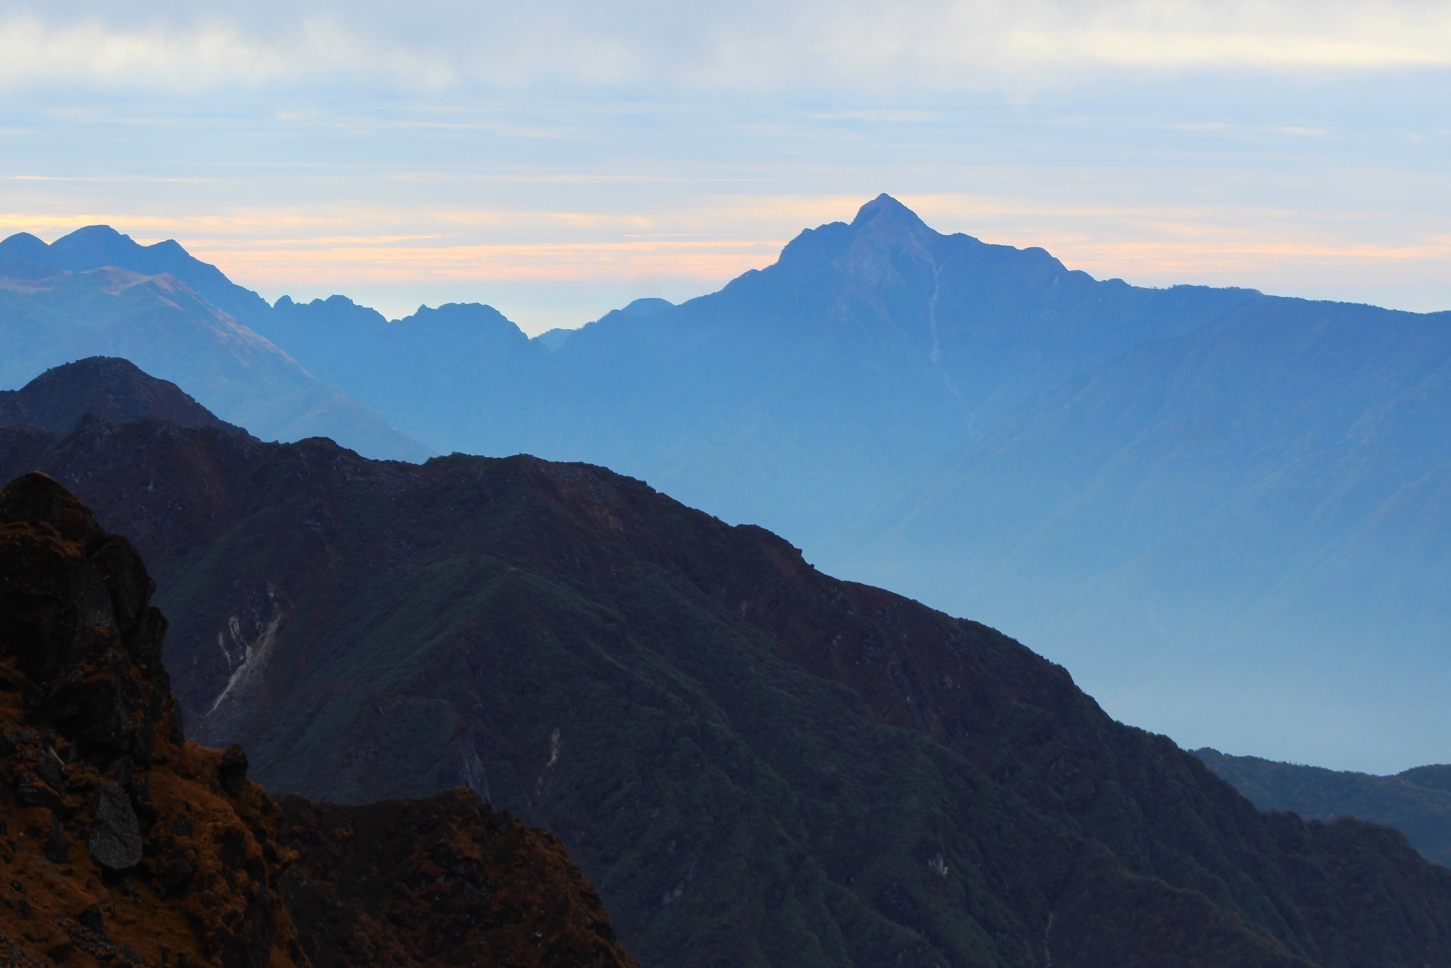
(123, 844)
(119, 842)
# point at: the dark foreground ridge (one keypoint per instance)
(110, 388)
(756, 763)
(123, 844)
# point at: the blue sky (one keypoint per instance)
(559, 159)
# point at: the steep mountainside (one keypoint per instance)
(1411, 801)
(754, 762)
(1266, 502)
(50, 317)
(122, 844)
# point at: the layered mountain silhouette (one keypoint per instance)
(1228, 511)
(754, 762)
(126, 845)
(1225, 510)
(95, 292)
(1416, 802)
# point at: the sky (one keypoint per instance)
(558, 159)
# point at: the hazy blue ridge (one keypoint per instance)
(797, 397)
(1240, 528)
(96, 246)
(1411, 801)
(50, 316)
(436, 371)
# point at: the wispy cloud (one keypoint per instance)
(755, 45)
(41, 52)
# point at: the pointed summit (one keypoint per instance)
(885, 223)
(883, 231)
(885, 206)
(881, 227)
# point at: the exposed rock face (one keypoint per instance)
(122, 844)
(117, 840)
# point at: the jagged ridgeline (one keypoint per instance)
(755, 763)
(98, 292)
(121, 844)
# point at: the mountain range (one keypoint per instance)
(1225, 511)
(96, 292)
(798, 397)
(754, 763)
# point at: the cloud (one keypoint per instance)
(753, 45)
(201, 58)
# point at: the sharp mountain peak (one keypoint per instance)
(886, 212)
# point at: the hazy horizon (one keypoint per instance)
(561, 161)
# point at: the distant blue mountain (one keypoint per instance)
(96, 246)
(1417, 801)
(798, 397)
(1246, 525)
(96, 292)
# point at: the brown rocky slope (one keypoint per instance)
(123, 844)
